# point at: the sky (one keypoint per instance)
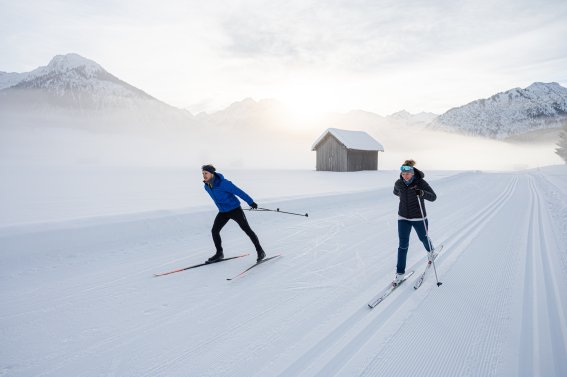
(314, 56)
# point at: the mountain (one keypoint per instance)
(69, 81)
(517, 111)
(247, 112)
(73, 111)
(404, 117)
(8, 79)
(72, 86)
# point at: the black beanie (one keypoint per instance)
(210, 168)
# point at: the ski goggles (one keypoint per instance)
(406, 169)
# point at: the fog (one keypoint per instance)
(253, 140)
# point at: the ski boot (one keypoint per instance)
(215, 258)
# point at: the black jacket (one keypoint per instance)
(409, 207)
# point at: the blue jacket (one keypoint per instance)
(224, 192)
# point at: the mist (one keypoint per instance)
(254, 142)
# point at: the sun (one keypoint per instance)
(307, 103)
(306, 108)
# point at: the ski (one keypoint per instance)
(387, 291)
(254, 265)
(421, 278)
(199, 265)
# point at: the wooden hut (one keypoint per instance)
(341, 150)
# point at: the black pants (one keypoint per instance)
(238, 216)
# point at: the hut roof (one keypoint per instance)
(358, 140)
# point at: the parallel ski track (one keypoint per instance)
(542, 350)
(557, 207)
(359, 336)
(476, 334)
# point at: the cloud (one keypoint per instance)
(368, 36)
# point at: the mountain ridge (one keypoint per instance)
(71, 83)
(516, 111)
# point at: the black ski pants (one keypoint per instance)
(238, 216)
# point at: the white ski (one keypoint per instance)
(387, 291)
(419, 280)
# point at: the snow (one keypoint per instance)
(64, 63)
(8, 79)
(73, 82)
(404, 117)
(516, 111)
(78, 250)
(358, 140)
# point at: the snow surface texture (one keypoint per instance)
(78, 297)
(516, 111)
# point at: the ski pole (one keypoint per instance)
(278, 210)
(428, 239)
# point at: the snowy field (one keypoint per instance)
(79, 247)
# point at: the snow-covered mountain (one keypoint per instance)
(72, 82)
(75, 92)
(516, 111)
(8, 79)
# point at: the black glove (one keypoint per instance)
(419, 192)
(254, 205)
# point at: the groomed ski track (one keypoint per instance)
(81, 301)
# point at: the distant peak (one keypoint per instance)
(543, 85)
(401, 114)
(537, 84)
(63, 63)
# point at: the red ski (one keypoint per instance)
(254, 265)
(199, 265)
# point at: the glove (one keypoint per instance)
(419, 192)
(254, 205)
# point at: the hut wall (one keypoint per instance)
(331, 155)
(362, 160)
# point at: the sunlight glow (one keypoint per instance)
(309, 102)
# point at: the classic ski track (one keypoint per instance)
(468, 232)
(557, 210)
(538, 353)
(364, 332)
(473, 330)
(533, 239)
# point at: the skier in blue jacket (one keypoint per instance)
(224, 193)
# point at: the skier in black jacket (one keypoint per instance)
(411, 187)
